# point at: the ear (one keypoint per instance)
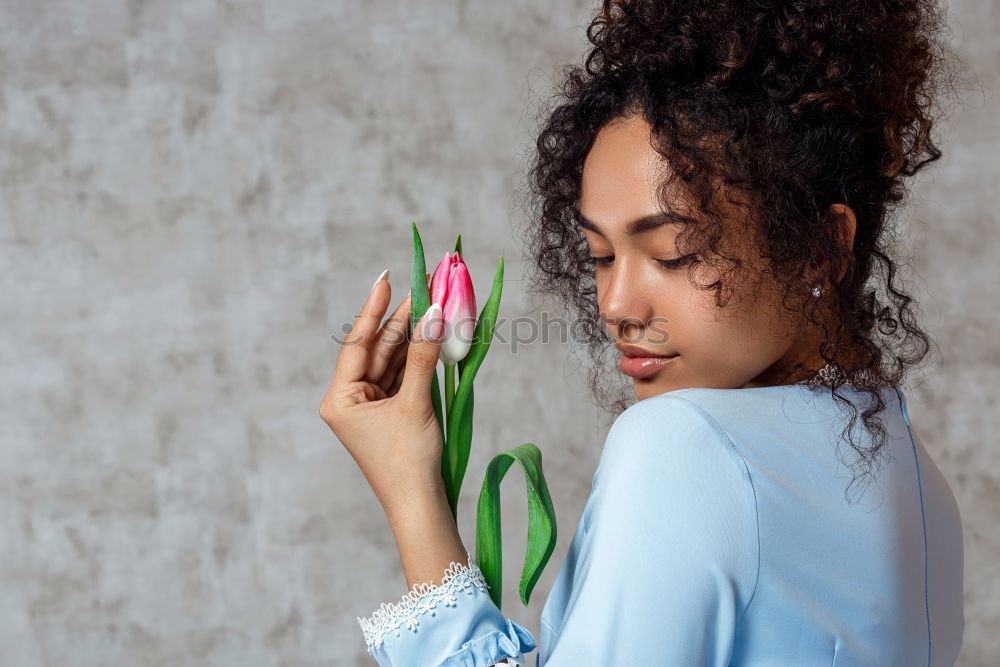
(847, 225)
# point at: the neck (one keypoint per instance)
(802, 363)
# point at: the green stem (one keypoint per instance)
(450, 443)
(449, 387)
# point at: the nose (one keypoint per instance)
(625, 304)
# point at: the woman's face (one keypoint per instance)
(654, 306)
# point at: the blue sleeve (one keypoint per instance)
(451, 624)
(669, 561)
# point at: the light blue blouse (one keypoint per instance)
(718, 532)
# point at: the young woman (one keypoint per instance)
(714, 192)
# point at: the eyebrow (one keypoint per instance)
(637, 226)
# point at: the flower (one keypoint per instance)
(451, 287)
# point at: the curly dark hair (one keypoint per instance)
(784, 107)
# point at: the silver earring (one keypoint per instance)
(817, 290)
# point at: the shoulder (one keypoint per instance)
(668, 476)
(669, 434)
(669, 451)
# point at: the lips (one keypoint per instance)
(641, 363)
(635, 351)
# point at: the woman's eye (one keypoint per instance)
(676, 263)
(606, 260)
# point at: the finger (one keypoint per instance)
(352, 362)
(376, 392)
(389, 340)
(423, 355)
(396, 365)
(396, 382)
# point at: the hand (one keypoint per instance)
(380, 407)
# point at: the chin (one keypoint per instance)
(645, 389)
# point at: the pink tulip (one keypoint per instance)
(451, 287)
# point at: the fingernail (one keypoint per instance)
(384, 276)
(434, 323)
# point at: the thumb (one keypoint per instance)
(422, 355)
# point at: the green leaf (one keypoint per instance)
(458, 245)
(457, 419)
(420, 301)
(541, 522)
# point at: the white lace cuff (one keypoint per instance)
(423, 598)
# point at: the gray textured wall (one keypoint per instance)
(194, 194)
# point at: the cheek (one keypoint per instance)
(736, 337)
(679, 314)
(698, 325)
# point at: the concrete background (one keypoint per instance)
(194, 194)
